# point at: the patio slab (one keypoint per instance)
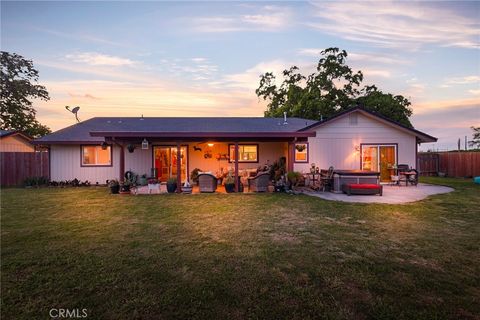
(391, 194)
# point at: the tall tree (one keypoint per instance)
(19, 86)
(475, 142)
(333, 88)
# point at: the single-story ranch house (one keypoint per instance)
(101, 148)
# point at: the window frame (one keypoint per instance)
(295, 152)
(243, 144)
(95, 165)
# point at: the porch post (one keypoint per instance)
(237, 187)
(122, 162)
(179, 168)
(291, 156)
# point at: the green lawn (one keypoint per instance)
(265, 256)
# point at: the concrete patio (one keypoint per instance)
(391, 194)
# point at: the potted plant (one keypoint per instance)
(280, 185)
(114, 186)
(125, 187)
(143, 180)
(293, 178)
(187, 188)
(229, 184)
(194, 175)
(131, 148)
(171, 184)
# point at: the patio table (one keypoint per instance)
(408, 175)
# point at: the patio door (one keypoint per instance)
(381, 158)
(165, 161)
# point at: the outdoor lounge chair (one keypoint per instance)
(207, 182)
(259, 183)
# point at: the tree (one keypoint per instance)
(19, 86)
(475, 142)
(333, 88)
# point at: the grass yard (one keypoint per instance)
(265, 256)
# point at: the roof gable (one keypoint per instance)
(422, 137)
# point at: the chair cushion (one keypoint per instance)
(363, 186)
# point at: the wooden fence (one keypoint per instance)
(453, 164)
(15, 167)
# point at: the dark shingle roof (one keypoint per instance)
(5, 132)
(81, 132)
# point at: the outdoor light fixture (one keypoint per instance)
(357, 148)
(104, 145)
(145, 144)
(210, 144)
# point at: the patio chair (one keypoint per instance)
(259, 183)
(327, 180)
(207, 182)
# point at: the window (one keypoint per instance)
(301, 152)
(246, 152)
(96, 156)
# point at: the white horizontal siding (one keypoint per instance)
(335, 142)
(65, 165)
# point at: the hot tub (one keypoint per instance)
(341, 177)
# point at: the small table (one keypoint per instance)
(315, 177)
(407, 175)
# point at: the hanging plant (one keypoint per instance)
(131, 148)
(300, 147)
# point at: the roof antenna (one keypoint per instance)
(141, 118)
(285, 118)
(74, 111)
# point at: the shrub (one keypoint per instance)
(172, 180)
(194, 175)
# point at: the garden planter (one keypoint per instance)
(187, 190)
(230, 187)
(114, 189)
(171, 187)
(142, 181)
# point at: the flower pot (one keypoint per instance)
(142, 181)
(230, 187)
(171, 187)
(114, 189)
(187, 190)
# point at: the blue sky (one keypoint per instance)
(204, 58)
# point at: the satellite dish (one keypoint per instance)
(74, 111)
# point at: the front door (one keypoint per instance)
(381, 158)
(165, 161)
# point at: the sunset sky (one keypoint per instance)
(205, 58)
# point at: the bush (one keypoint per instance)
(36, 181)
(172, 180)
(194, 175)
(294, 177)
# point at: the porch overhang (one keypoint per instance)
(192, 136)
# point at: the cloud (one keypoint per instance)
(79, 37)
(98, 59)
(125, 98)
(273, 18)
(396, 24)
(462, 80)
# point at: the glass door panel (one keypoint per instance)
(165, 161)
(381, 158)
(370, 158)
(387, 162)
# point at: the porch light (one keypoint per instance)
(104, 145)
(145, 144)
(357, 148)
(210, 144)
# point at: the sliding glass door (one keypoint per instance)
(165, 161)
(381, 158)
